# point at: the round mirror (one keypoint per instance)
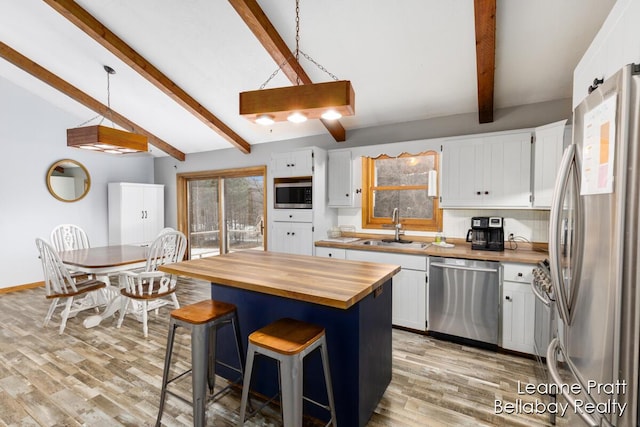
(68, 180)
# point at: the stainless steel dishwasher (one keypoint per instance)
(464, 298)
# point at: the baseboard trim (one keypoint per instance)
(21, 287)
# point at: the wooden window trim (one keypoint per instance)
(368, 178)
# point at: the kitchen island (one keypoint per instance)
(350, 299)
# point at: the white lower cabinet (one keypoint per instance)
(518, 305)
(292, 237)
(409, 306)
(331, 253)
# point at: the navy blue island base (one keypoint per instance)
(358, 342)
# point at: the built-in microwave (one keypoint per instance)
(291, 193)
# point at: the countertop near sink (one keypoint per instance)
(462, 249)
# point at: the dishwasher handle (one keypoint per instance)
(463, 267)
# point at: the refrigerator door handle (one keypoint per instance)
(554, 223)
(552, 365)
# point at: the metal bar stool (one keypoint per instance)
(288, 341)
(203, 319)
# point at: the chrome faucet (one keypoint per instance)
(395, 218)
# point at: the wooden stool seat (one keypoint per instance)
(203, 311)
(287, 336)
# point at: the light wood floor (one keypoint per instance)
(106, 376)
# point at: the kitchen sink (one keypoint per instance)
(406, 244)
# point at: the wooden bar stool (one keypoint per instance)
(203, 319)
(288, 341)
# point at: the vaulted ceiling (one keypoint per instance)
(180, 65)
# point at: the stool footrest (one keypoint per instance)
(262, 405)
(233, 368)
(177, 377)
(179, 397)
(321, 405)
(213, 395)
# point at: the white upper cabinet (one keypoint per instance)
(487, 171)
(547, 147)
(344, 180)
(292, 163)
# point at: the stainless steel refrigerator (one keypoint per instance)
(594, 251)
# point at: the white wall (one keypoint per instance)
(33, 136)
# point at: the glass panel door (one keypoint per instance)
(224, 211)
(243, 208)
(203, 212)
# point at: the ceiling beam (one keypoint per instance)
(255, 18)
(76, 94)
(485, 19)
(101, 34)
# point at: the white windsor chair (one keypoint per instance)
(66, 237)
(61, 287)
(148, 289)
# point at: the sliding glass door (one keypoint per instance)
(222, 211)
(204, 218)
(244, 208)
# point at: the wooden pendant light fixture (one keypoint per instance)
(106, 139)
(315, 101)
(328, 101)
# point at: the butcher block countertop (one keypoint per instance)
(526, 253)
(331, 282)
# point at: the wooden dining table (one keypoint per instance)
(103, 261)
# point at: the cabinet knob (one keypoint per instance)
(346, 195)
(508, 298)
(486, 192)
(288, 233)
(290, 216)
(479, 193)
(358, 191)
(293, 234)
(519, 274)
(330, 255)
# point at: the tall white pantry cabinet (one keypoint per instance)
(136, 213)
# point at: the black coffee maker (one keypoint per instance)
(486, 233)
